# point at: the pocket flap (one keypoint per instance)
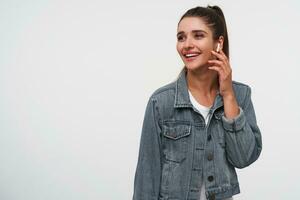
(176, 131)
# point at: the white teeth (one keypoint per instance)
(190, 55)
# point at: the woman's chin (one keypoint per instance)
(196, 66)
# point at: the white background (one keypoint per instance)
(75, 77)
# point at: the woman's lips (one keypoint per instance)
(190, 59)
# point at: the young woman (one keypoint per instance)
(199, 128)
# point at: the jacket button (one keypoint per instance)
(212, 197)
(210, 178)
(209, 137)
(210, 157)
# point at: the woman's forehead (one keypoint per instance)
(188, 24)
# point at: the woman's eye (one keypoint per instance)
(199, 36)
(180, 38)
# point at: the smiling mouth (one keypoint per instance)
(191, 56)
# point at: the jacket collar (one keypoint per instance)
(182, 99)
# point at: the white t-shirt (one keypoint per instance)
(205, 113)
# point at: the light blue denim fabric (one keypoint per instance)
(176, 146)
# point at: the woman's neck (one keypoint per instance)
(203, 84)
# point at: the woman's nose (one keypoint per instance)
(188, 43)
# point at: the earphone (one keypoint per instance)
(218, 47)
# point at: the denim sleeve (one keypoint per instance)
(243, 136)
(148, 170)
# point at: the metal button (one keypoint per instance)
(209, 137)
(212, 197)
(210, 178)
(210, 156)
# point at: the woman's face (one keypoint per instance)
(194, 42)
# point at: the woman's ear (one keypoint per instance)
(221, 41)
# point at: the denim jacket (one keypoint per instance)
(176, 146)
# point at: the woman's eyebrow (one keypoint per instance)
(193, 31)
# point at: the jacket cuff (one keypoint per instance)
(235, 124)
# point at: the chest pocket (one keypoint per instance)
(175, 140)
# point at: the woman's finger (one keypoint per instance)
(224, 55)
(217, 62)
(218, 55)
(216, 68)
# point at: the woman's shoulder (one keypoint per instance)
(240, 84)
(164, 91)
(242, 91)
